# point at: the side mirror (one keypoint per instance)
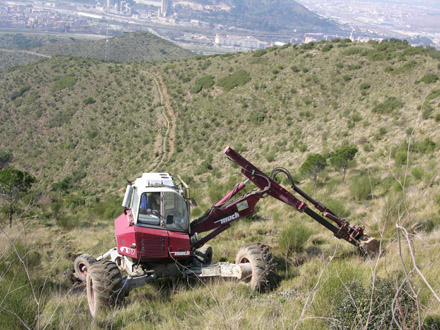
(192, 202)
(127, 197)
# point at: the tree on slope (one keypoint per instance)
(14, 184)
(313, 165)
(341, 158)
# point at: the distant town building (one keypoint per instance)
(238, 41)
(166, 8)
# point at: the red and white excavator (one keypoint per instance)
(156, 239)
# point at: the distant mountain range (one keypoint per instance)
(264, 15)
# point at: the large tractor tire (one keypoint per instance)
(262, 277)
(81, 265)
(104, 287)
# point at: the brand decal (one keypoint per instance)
(180, 253)
(242, 206)
(127, 250)
(229, 218)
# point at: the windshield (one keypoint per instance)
(172, 213)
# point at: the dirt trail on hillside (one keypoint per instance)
(25, 52)
(160, 145)
(172, 117)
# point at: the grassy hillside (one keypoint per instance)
(9, 59)
(128, 47)
(82, 127)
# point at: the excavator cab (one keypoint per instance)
(155, 223)
(155, 201)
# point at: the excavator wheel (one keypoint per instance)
(81, 265)
(204, 254)
(263, 267)
(104, 287)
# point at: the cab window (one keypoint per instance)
(175, 211)
(149, 209)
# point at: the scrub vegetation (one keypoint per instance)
(367, 114)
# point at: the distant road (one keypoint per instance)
(25, 52)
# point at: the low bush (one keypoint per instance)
(259, 52)
(354, 310)
(19, 92)
(239, 78)
(429, 78)
(294, 238)
(388, 106)
(327, 48)
(360, 187)
(401, 157)
(18, 285)
(63, 82)
(337, 207)
(203, 83)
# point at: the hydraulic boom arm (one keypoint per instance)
(221, 215)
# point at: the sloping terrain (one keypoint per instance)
(82, 127)
(10, 58)
(19, 49)
(128, 47)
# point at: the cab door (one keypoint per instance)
(175, 212)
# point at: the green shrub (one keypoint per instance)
(63, 82)
(425, 146)
(294, 238)
(364, 86)
(429, 78)
(89, 100)
(257, 116)
(327, 48)
(388, 106)
(239, 78)
(19, 93)
(308, 46)
(401, 157)
(353, 51)
(295, 69)
(259, 52)
(270, 156)
(360, 188)
(107, 207)
(15, 288)
(302, 147)
(203, 83)
(352, 307)
(346, 77)
(337, 207)
(92, 134)
(407, 67)
(418, 173)
(427, 108)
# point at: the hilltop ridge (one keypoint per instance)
(19, 49)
